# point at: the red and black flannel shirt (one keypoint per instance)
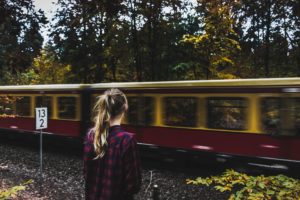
(117, 175)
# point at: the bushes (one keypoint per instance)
(12, 192)
(242, 186)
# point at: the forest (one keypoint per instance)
(149, 40)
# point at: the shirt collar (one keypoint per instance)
(115, 128)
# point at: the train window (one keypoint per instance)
(67, 107)
(281, 116)
(290, 116)
(44, 101)
(180, 111)
(6, 105)
(141, 110)
(270, 115)
(226, 113)
(23, 106)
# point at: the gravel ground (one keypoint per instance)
(62, 177)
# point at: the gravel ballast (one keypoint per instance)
(62, 177)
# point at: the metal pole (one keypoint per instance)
(155, 194)
(41, 153)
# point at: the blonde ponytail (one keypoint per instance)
(111, 104)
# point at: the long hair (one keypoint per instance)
(110, 104)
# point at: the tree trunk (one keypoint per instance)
(267, 39)
(135, 42)
(298, 58)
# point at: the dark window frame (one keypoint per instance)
(278, 126)
(49, 109)
(149, 118)
(193, 123)
(209, 112)
(59, 108)
(7, 106)
(17, 110)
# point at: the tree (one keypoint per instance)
(296, 39)
(20, 38)
(83, 34)
(158, 29)
(48, 70)
(45, 69)
(267, 38)
(217, 46)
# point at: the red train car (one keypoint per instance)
(255, 118)
(18, 103)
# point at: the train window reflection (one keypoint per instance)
(180, 111)
(140, 111)
(227, 113)
(271, 115)
(23, 106)
(44, 101)
(290, 116)
(6, 105)
(67, 107)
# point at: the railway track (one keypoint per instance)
(62, 173)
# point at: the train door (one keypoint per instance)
(281, 120)
(140, 114)
(132, 116)
(290, 126)
(274, 145)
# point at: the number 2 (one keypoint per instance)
(42, 123)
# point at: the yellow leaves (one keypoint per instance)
(12, 192)
(199, 42)
(46, 70)
(239, 181)
(190, 181)
(223, 189)
(217, 46)
(250, 187)
(200, 181)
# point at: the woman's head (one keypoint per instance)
(111, 104)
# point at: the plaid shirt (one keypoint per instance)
(117, 175)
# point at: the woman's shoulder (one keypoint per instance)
(126, 141)
(125, 138)
(126, 135)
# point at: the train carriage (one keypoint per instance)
(251, 117)
(17, 105)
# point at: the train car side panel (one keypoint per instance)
(252, 145)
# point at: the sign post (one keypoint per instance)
(40, 124)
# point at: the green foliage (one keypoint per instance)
(84, 35)
(12, 192)
(218, 45)
(141, 40)
(121, 40)
(20, 38)
(18, 78)
(45, 69)
(243, 186)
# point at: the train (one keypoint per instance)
(249, 118)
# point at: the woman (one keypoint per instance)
(111, 161)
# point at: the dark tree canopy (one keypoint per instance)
(20, 38)
(155, 40)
